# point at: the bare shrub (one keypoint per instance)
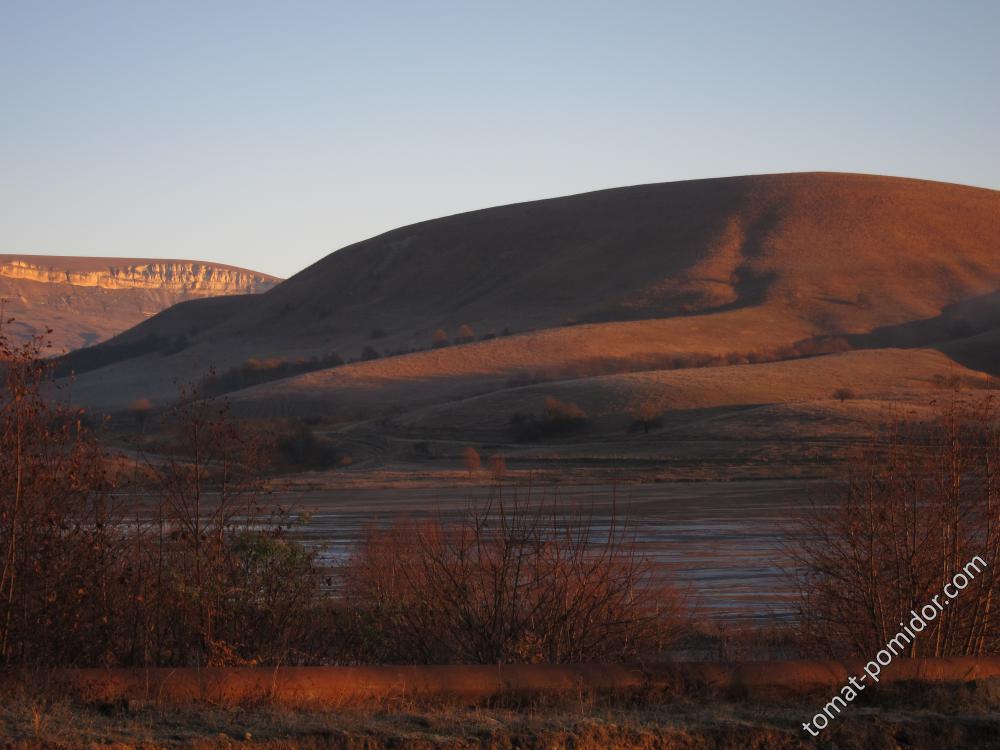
(471, 460)
(189, 568)
(465, 334)
(238, 588)
(62, 574)
(498, 466)
(509, 583)
(563, 416)
(921, 501)
(439, 337)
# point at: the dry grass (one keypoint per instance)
(456, 372)
(908, 715)
(878, 375)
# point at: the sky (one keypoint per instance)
(269, 134)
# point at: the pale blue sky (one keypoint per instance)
(269, 134)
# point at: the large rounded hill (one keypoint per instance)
(726, 266)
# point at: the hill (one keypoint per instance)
(751, 268)
(86, 300)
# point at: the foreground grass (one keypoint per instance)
(898, 717)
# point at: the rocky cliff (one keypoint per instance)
(181, 276)
(87, 300)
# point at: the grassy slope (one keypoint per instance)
(734, 264)
(612, 400)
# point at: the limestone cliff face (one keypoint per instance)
(181, 277)
(87, 300)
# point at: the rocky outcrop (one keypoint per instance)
(74, 302)
(192, 278)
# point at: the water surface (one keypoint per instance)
(721, 542)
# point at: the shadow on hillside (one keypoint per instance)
(967, 331)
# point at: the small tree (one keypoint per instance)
(471, 460)
(369, 353)
(842, 394)
(465, 334)
(646, 417)
(440, 338)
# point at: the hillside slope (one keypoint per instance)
(732, 265)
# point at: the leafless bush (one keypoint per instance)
(498, 466)
(238, 587)
(439, 337)
(61, 575)
(471, 460)
(465, 334)
(920, 502)
(512, 582)
(188, 568)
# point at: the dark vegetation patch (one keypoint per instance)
(559, 418)
(303, 449)
(651, 361)
(256, 371)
